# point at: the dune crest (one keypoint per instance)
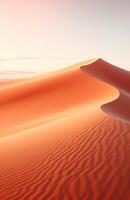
(30, 101)
(56, 143)
(118, 78)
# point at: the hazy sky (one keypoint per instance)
(44, 35)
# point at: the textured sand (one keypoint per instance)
(56, 143)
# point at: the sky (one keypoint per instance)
(46, 35)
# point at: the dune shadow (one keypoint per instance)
(118, 78)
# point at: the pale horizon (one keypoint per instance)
(43, 36)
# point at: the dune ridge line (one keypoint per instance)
(118, 78)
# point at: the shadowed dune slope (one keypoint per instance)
(118, 78)
(57, 144)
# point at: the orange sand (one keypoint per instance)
(56, 143)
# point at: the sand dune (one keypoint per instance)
(55, 141)
(37, 100)
(118, 78)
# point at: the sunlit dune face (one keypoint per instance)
(64, 132)
(57, 143)
(49, 97)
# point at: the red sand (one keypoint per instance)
(57, 144)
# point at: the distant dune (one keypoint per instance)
(6, 76)
(55, 141)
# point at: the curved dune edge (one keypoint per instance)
(25, 104)
(9, 90)
(79, 153)
(118, 78)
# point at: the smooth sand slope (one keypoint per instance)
(56, 143)
(37, 100)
